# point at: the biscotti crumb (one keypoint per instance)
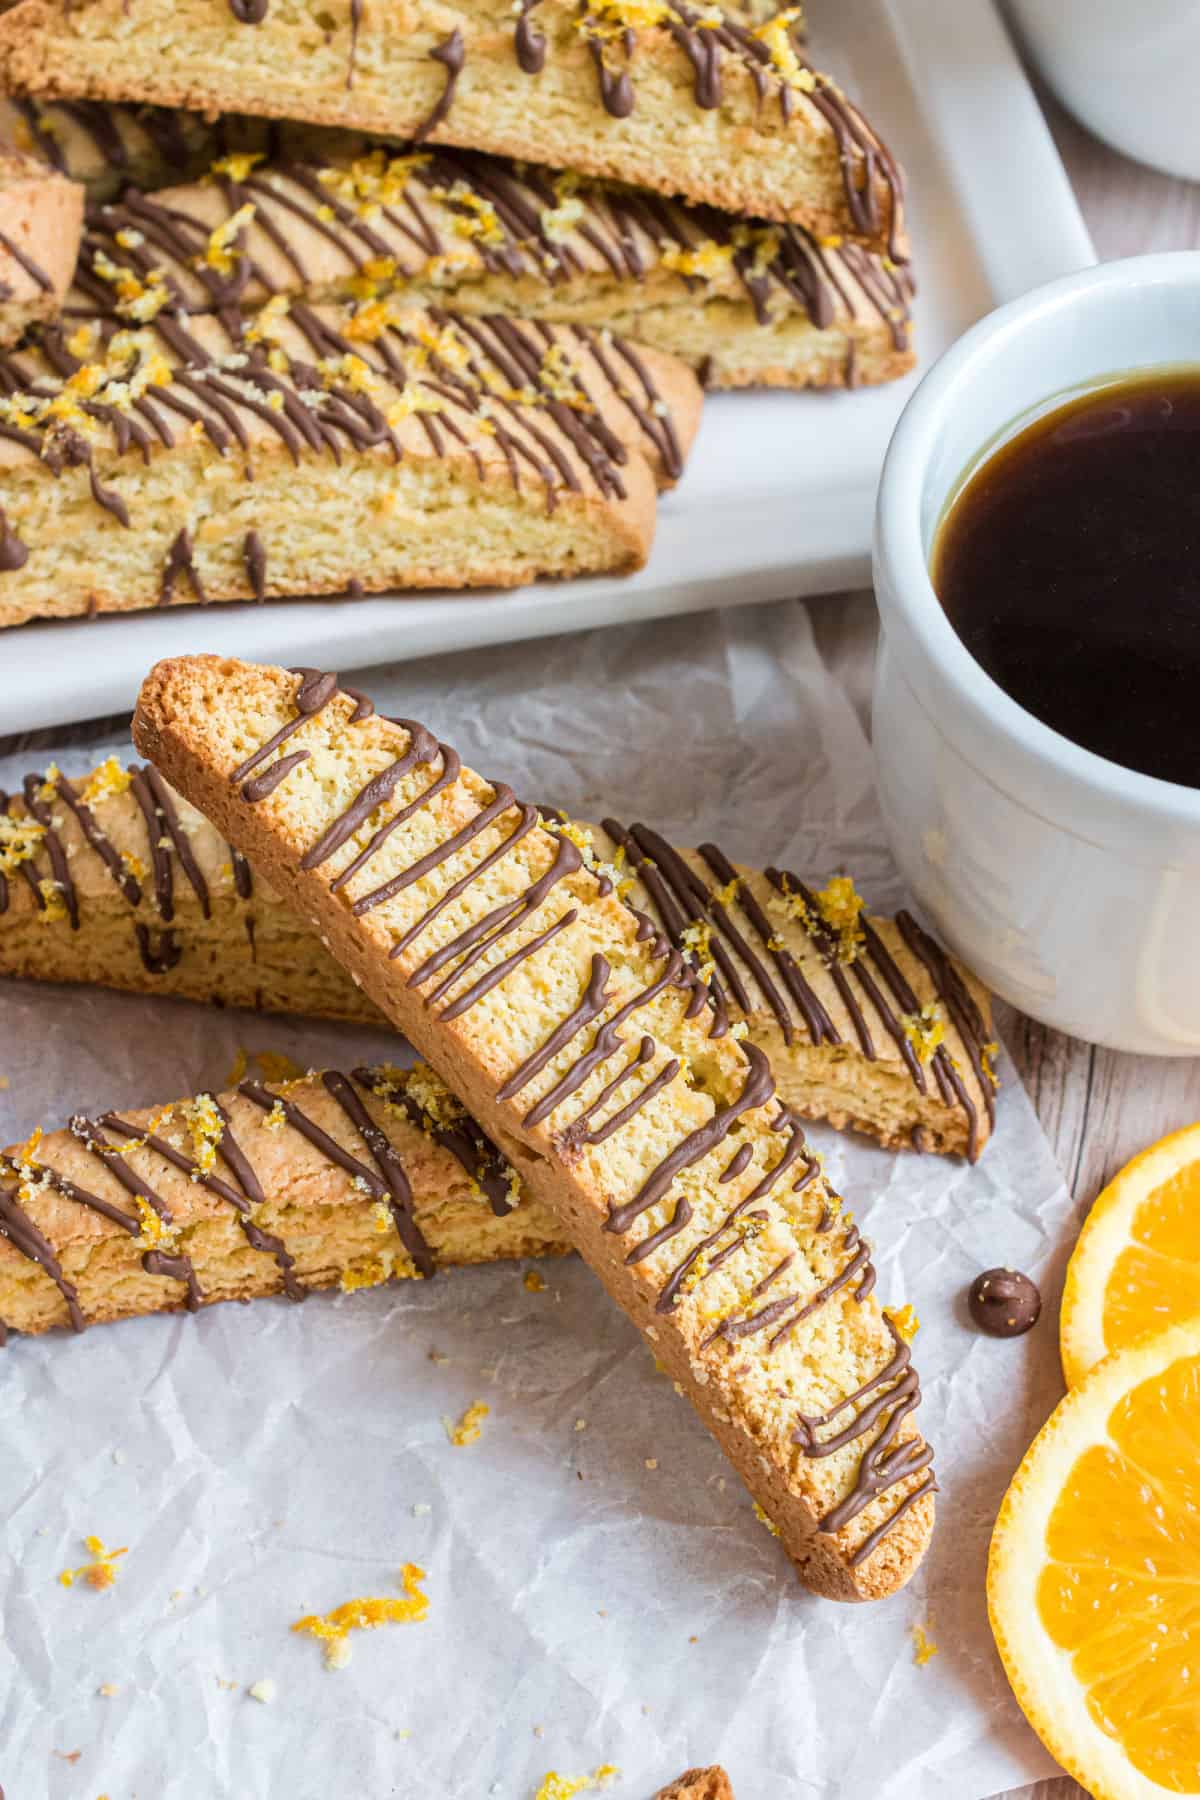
(108, 1690)
(535, 1282)
(470, 1427)
(100, 1572)
(263, 1692)
(652, 1462)
(333, 1628)
(581, 1424)
(924, 1648)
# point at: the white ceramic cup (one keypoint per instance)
(1070, 884)
(1127, 69)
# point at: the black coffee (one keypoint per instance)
(1069, 565)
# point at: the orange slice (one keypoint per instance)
(1094, 1574)
(1136, 1266)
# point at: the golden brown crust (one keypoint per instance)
(658, 1161)
(484, 452)
(41, 218)
(772, 146)
(335, 1225)
(698, 1784)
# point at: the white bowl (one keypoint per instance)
(1070, 884)
(1127, 70)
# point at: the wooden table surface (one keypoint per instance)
(1097, 1107)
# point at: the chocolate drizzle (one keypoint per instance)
(530, 43)
(33, 269)
(452, 54)
(466, 1142)
(13, 553)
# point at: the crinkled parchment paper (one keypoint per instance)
(600, 1589)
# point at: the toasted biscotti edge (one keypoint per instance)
(181, 726)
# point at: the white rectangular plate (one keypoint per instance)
(779, 494)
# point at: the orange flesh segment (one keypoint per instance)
(1157, 1278)
(1120, 1592)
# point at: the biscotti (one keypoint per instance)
(698, 1784)
(745, 303)
(316, 453)
(588, 1051)
(337, 1179)
(702, 103)
(112, 878)
(41, 218)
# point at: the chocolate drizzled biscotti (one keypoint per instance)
(112, 878)
(589, 1052)
(41, 218)
(338, 1179)
(690, 100)
(319, 453)
(746, 303)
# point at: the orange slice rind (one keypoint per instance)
(1136, 1266)
(1094, 1574)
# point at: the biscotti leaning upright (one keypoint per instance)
(689, 100)
(590, 1054)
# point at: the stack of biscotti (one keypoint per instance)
(688, 183)
(595, 1058)
(110, 877)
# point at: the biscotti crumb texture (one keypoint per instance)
(113, 879)
(310, 454)
(588, 1056)
(335, 1179)
(717, 109)
(745, 302)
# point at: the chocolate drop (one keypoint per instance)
(1004, 1303)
